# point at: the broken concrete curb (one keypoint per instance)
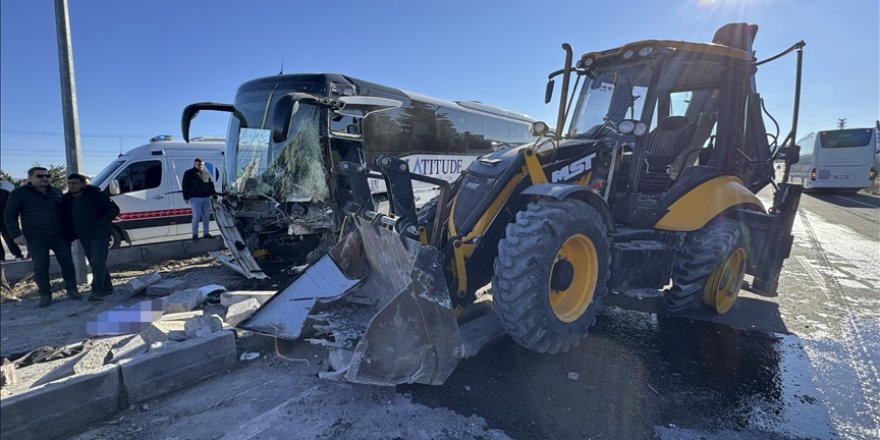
(62, 407)
(57, 408)
(158, 373)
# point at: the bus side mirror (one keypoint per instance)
(114, 187)
(281, 118)
(548, 93)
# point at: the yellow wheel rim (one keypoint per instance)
(724, 283)
(570, 303)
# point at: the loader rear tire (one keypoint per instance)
(550, 274)
(709, 269)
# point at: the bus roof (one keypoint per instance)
(360, 85)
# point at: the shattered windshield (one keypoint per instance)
(290, 171)
(616, 93)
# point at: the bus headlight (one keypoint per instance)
(813, 174)
(872, 174)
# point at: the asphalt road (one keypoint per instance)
(803, 365)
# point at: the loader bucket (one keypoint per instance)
(379, 302)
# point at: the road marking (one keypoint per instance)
(266, 420)
(814, 274)
(855, 201)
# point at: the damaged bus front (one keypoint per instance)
(281, 205)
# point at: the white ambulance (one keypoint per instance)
(145, 183)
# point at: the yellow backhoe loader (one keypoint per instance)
(652, 185)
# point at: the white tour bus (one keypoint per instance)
(837, 159)
(145, 183)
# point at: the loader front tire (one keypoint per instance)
(709, 269)
(550, 274)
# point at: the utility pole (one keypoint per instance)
(841, 123)
(71, 119)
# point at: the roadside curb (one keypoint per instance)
(148, 253)
(155, 374)
(55, 409)
(68, 405)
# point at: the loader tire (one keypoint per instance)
(709, 269)
(550, 274)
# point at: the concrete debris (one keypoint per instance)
(202, 326)
(138, 285)
(162, 331)
(240, 311)
(235, 296)
(89, 360)
(182, 316)
(162, 346)
(8, 377)
(249, 356)
(183, 301)
(573, 376)
(165, 287)
(128, 348)
(467, 388)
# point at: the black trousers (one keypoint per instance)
(12, 245)
(38, 249)
(96, 250)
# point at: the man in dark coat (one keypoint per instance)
(198, 189)
(5, 189)
(38, 204)
(91, 214)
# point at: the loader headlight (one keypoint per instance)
(538, 128)
(628, 54)
(645, 51)
(589, 61)
(628, 126)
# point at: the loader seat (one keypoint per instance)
(671, 136)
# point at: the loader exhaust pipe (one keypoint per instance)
(563, 96)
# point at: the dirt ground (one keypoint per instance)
(24, 326)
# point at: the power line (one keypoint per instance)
(52, 133)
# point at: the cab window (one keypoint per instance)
(140, 176)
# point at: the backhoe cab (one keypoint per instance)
(653, 184)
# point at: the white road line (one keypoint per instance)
(266, 420)
(855, 201)
(814, 274)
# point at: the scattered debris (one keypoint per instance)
(202, 326)
(130, 347)
(235, 296)
(90, 359)
(8, 377)
(165, 287)
(182, 316)
(240, 311)
(162, 331)
(249, 356)
(136, 286)
(183, 301)
(467, 388)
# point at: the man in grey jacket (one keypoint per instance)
(43, 227)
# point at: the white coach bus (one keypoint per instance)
(837, 159)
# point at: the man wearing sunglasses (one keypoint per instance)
(42, 228)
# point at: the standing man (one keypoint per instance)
(38, 204)
(5, 189)
(198, 188)
(91, 213)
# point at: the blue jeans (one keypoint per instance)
(96, 250)
(201, 211)
(38, 250)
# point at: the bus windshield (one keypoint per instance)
(848, 138)
(290, 171)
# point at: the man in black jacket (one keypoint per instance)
(91, 214)
(38, 204)
(198, 189)
(5, 189)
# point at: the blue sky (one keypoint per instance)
(137, 64)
